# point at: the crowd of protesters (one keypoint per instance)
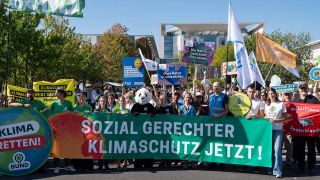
(208, 100)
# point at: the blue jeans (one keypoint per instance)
(277, 136)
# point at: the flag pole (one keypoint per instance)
(271, 68)
(227, 62)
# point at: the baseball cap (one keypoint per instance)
(303, 85)
(199, 94)
(287, 92)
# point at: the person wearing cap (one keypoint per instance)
(33, 103)
(201, 108)
(301, 141)
(82, 106)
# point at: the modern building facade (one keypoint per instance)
(173, 35)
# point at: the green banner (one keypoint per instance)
(71, 8)
(229, 140)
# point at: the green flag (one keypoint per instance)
(71, 8)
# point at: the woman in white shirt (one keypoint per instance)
(276, 113)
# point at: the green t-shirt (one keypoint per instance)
(36, 104)
(58, 107)
(84, 109)
(119, 110)
(102, 111)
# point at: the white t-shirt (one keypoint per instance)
(256, 106)
(275, 111)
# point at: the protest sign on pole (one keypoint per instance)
(198, 53)
(45, 91)
(133, 72)
(172, 74)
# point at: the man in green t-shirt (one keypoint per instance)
(82, 106)
(33, 103)
(61, 105)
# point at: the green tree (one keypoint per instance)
(114, 45)
(296, 43)
(220, 56)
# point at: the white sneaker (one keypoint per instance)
(70, 168)
(278, 176)
(56, 170)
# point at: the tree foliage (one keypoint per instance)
(220, 56)
(113, 46)
(45, 48)
(295, 43)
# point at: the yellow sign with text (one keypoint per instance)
(45, 91)
(17, 93)
(239, 104)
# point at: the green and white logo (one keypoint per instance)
(305, 122)
(19, 162)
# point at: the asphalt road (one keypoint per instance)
(173, 173)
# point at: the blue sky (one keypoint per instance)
(145, 16)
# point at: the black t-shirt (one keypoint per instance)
(204, 109)
(309, 99)
(164, 110)
(144, 109)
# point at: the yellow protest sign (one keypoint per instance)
(45, 91)
(239, 104)
(16, 92)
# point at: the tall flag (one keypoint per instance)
(245, 74)
(293, 71)
(271, 52)
(71, 8)
(255, 68)
(149, 64)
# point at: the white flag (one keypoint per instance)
(256, 71)
(149, 64)
(245, 75)
(294, 71)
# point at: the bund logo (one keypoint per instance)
(19, 162)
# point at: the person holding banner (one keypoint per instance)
(128, 98)
(257, 105)
(187, 108)
(276, 113)
(218, 103)
(31, 102)
(82, 106)
(111, 102)
(102, 107)
(301, 141)
(61, 105)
